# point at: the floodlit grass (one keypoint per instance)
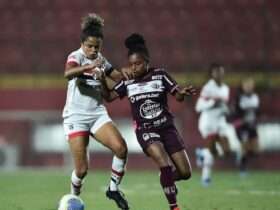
(41, 190)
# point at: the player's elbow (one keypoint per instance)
(67, 75)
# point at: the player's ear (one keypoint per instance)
(147, 66)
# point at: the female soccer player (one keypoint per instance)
(154, 125)
(212, 106)
(245, 120)
(84, 113)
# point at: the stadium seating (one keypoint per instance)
(179, 33)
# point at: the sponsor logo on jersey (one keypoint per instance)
(132, 99)
(145, 88)
(155, 86)
(147, 136)
(144, 96)
(150, 109)
(157, 77)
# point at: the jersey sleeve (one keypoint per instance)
(169, 83)
(73, 60)
(120, 89)
(227, 95)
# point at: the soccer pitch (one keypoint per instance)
(41, 190)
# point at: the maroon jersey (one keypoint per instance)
(148, 98)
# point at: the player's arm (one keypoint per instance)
(108, 94)
(107, 91)
(181, 93)
(174, 89)
(73, 69)
(119, 74)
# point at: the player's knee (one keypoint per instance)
(184, 175)
(120, 149)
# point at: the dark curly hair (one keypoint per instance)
(135, 43)
(92, 25)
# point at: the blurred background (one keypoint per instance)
(182, 36)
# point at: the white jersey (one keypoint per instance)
(247, 102)
(84, 92)
(212, 114)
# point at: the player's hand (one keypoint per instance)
(188, 91)
(93, 67)
(99, 74)
(127, 73)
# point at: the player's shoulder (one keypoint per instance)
(225, 86)
(76, 54)
(124, 83)
(158, 70)
(210, 83)
(255, 96)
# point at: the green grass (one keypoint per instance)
(41, 190)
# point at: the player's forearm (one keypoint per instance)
(116, 75)
(107, 92)
(75, 71)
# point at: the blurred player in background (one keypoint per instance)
(246, 110)
(212, 106)
(154, 124)
(84, 113)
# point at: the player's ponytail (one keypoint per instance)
(92, 25)
(135, 43)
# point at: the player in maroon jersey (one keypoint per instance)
(154, 124)
(247, 105)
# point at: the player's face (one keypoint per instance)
(218, 74)
(91, 46)
(138, 65)
(248, 86)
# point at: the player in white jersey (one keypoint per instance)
(84, 113)
(212, 106)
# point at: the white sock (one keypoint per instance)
(118, 169)
(77, 182)
(208, 161)
(206, 172)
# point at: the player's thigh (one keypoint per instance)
(78, 147)
(182, 163)
(77, 135)
(110, 137)
(224, 142)
(157, 152)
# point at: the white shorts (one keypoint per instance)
(79, 126)
(209, 127)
